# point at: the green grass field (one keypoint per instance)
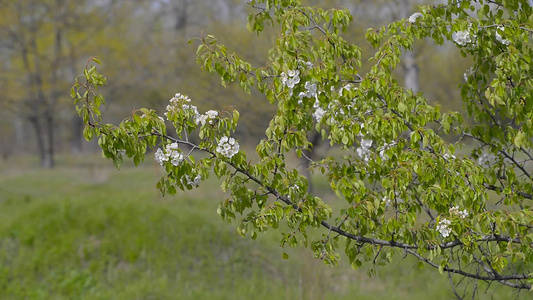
(87, 231)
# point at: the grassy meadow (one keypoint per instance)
(87, 231)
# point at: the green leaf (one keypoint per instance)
(402, 107)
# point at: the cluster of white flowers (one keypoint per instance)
(291, 78)
(310, 91)
(319, 112)
(195, 182)
(464, 38)
(364, 150)
(227, 147)
(499, 38)
(468, 73)
(179, 102)
(307, 64)
(385, 147)
(413, 17)
(208, 117)
(171, 154)
(463, 214)
(347, 87)
(444, 227)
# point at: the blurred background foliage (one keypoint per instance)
(44, 44)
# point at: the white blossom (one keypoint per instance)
(284, 78)
(291, 78)
(171, 153)
(413, 17)
(160, 156)
(347, 87)
(499, 38)
(319, 114)
(364, 150)
(293, 73)
(208, 117)
(444, 227)
(292, 81)
(468, 73)
(385, 147)
(465, 37)
(195, 182)
(310, 89)
(227, 147)
(319, 111)
(463, 214)
(179, 103)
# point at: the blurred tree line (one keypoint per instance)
(143, 43)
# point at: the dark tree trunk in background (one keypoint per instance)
(76, 141)
(44, 157)
(411, 71)
(50, 149)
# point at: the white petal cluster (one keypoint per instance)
(468, 73)
(195, 182)
(465, 37)
(364, 150)
(463, 214)
(347, 87)
(413, 17)
(180, 102)
(385, 147)
(310, 91)
(291, 78)
(171, 154)
(208, 117)
(306, 64)
(227, 147)
(444, 227)
(499, 38)
(319, 112)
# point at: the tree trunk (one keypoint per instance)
(34, 121)
(50, 149)
(411, 71)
